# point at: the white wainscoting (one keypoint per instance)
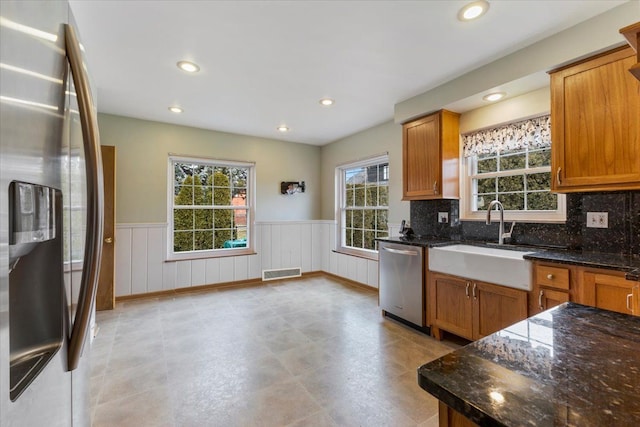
(141, 268)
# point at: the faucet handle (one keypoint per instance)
(508, 235)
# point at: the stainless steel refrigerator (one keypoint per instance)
(50, 216)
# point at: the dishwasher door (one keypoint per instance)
(401, 288)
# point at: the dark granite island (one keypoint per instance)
(572, 365)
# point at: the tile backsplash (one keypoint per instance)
(622, 236)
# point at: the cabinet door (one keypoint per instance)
(548, 298)
(542, 299)
(421, 158)
(496, 307)
(595, 107)
(450, 304)
(610, 292)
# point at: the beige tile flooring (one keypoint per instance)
(307, 352)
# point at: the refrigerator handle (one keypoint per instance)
(93, 245)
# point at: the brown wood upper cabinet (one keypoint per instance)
(595, 105)
(632, 34)
(430, 157)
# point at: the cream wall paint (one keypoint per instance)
(386, 137)
(142, 149)
(582, 40)
(521, 107)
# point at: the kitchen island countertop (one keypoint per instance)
(571, 365)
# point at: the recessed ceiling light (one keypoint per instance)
(283, 128)
(187, 66)
(176, 110)
(495, 96)
(473, 10)
(326, 102)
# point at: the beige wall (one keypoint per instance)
(535, 103)
(386, 137)
(596, 34)
(142, 148)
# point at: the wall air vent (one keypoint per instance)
(281, 273)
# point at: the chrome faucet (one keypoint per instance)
(501, 234)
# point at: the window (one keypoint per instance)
(363, 205)
(511, 164)
(210, 208)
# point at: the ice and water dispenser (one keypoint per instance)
(36, 282)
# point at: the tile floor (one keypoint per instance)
(307, 352)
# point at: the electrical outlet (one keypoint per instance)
(597, 219)
(443, 217)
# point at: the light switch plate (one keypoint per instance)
(443, 217)
(597, 219)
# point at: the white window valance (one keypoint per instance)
(532, 133)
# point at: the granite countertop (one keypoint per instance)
(626, 263)
(571, 365)
(423, 241)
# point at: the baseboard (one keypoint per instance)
(349, 281)
(236, 284)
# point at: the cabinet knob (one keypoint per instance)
(550, 276)
(629, 296)
(466, 291)
(558, 176)
(108, 240)
(475, 297)
(435, 187)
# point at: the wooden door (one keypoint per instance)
(450, 305)
(496, 307)
(106, 296)
(595, 107)
(610, 292)
(421, 158)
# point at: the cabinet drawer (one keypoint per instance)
(553, 277)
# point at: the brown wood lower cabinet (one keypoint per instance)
(548, 298)
(495, 307)
(449, 417)
(450, 305)
(555, 283)
(472, 309)
(610, 291)
(551, 286)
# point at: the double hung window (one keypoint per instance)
(363, 205)
(511, 164)
(210, 207)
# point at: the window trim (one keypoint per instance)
(339, 201)
(251, 203)
(558, 216)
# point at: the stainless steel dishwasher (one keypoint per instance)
(401, 285)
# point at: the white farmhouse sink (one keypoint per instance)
(500, 266)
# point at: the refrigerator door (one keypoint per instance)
(31, 122)
(84, 212)
(49, 138)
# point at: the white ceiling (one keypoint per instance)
(266, 63)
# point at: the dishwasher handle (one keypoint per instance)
(400, 251)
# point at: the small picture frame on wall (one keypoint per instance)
(291, 187)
